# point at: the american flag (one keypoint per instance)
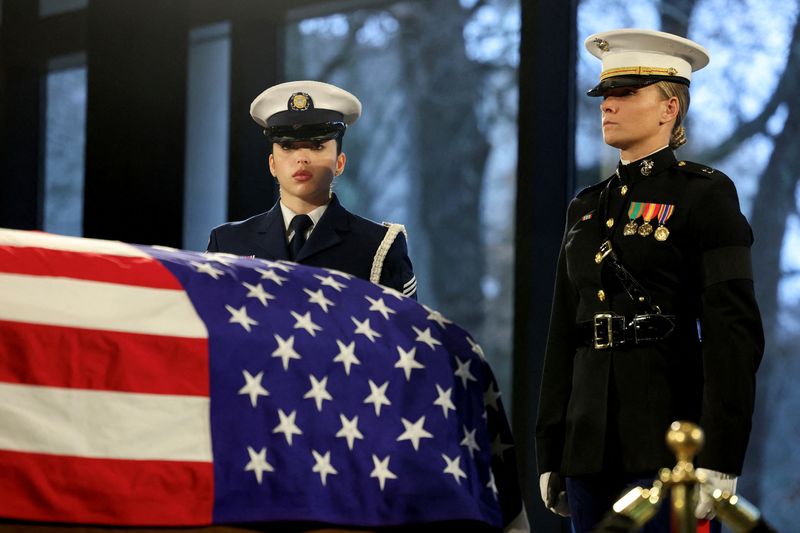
(141, 385)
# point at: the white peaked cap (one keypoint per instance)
(638, 57)
(304, 102)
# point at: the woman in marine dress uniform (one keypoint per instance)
(654, 317)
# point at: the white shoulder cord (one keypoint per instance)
(383, 249)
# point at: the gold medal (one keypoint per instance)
(630, 228)
(648, 212)
(634, 210)
(664, 212)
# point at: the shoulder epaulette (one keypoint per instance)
(594, 187)
(697, 169)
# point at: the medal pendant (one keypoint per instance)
(661, 233)
(630, 228)
(645, 229)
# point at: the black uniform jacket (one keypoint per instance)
(340, 240)
(609, 409)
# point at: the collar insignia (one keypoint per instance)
(646, 167)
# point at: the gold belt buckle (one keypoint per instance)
(599, 319)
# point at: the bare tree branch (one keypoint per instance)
(358, 19)
(785, 92)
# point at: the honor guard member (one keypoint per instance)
(654, 317)
(304, 122)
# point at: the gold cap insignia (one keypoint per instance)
(300, 102)
(602, 44)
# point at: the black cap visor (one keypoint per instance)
(631, 81)
(305, 132)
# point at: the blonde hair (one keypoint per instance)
(669, 89)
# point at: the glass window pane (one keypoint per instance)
(55, 7)
(64, 144)
(207, 125)
(435, 148)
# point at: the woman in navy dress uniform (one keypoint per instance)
(304, 122)
(654, 317)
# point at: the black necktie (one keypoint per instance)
(298, 225)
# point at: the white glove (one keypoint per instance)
(554, 493)
(713, 480)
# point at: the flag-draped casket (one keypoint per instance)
(145, 386)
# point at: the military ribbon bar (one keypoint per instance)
(664, 212)
(635, 210)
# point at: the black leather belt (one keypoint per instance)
(608, 330)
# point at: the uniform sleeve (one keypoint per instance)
(556, 384)
(212, 242)
(398, 273)
(731, 330)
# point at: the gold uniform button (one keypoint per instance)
(601, 295)
(610, 222)
(681, 163)
(623, 190)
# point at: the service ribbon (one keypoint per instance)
(635, 210)
(649, 211)
(664, 212)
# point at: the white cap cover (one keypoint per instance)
(304, 102)
(639, 57)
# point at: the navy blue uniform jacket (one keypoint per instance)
(340, 240)
(607, 410)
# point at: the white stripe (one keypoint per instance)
(410, 290)
(33, 239)
(409, 282)
(100, 424)
(96, 305)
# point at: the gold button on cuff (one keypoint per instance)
(681, 163)
(610, 222)
(601, 295)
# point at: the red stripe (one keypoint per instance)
(55, 488)
(138, 271)
(58, 356)
(703, 526)
(649, 212)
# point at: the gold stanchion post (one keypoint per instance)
(636, 507)
(685, 439)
